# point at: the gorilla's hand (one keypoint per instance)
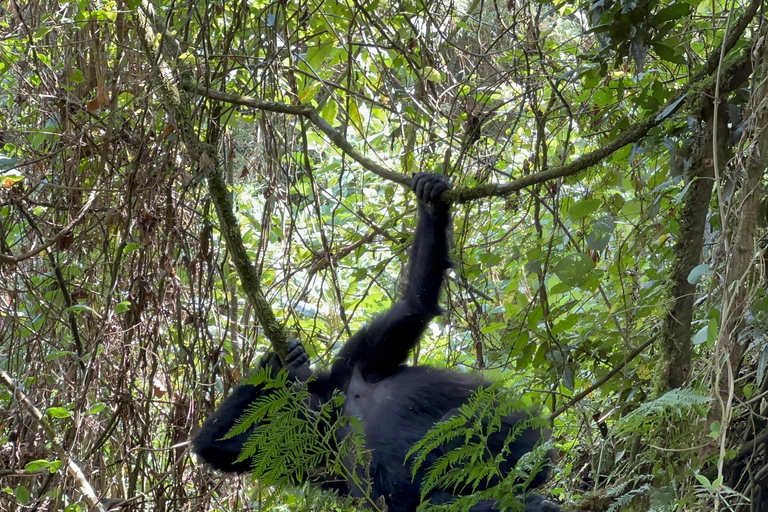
(296, 362)
(428, 188)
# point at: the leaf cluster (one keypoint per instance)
(454, 454)
(676, 402)
(289, 441)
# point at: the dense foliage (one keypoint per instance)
(608, 164)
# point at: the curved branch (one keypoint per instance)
(463, 195)
(312, 116)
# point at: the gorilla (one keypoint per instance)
(394, 404)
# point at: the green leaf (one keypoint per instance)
(602, 98)
(600, 232)
(96, 408)
(568, 378)
(567, 324)
(56, 354)
(703, 480)
(122, 307)
(124, 98)
(59, 412)
(489, 259)
(77, 308)
(329, 111)
(37, 465)
(713, 327)
(22, 494)
(433, 75)
(583, 208)
(701, 336)
(307, 94)
(494, 327)
(697, 272)
(574, 270)
(41, 32)
(355, 116)
(316, 55)
(38, 137)
(675, 11)
(669, 109)
(669, 54)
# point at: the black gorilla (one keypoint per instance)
(395, 404)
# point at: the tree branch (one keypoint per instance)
(206, 156)
(4, 258)
(577, 397)
(464, 195)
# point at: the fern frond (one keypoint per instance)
(677, 402)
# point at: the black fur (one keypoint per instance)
(396, 404)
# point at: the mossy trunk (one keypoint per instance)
(674, 344)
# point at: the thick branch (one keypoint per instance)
(463, 195)
(206, 155)
(249, 277)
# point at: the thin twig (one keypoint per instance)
(576, 398)
(72, 468)
(4, 258)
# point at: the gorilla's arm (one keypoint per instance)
(378, 349)
(208, 444)
(429, 254)
(221, 453)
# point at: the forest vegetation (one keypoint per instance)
(186, 186)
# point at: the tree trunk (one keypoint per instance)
(675, 340)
